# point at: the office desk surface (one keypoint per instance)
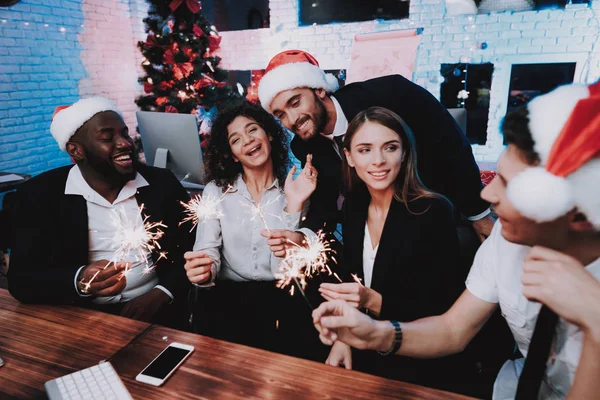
(39, 343)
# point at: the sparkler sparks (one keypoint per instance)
(203, 208)
(132, 239)
(303, 262)
(258, 211)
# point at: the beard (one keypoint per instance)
(108, 171)
(319, 119)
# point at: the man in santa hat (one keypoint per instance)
(67, 218)
(541, 264)
(307, 101)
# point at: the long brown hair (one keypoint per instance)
(407, 186)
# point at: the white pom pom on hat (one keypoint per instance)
(67, 120)
(539, 195)
(565, 127)
(292, 69)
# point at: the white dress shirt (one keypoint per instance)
(369, 254)
(102, 228)
(495, 277)
(233, 240)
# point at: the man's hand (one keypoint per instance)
(337, 320)
(357, 295)
(145, 307)
(105, 281)
(198, 266)
(483, 227)
(340, 355)
(562, 283)
(299, 189)
(282, 239)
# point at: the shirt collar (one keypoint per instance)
(341, 122)
(240, 185)
(77, 185)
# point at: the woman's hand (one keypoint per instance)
(340, 355)
(354, 293)
(563, 284)
(198, 266)
(298, 190)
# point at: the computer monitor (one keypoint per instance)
(460, 116)
(171, 141)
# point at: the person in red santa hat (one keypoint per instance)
(308, 102)
(541, 264)
(65, 223)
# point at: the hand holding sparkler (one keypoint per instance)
(354, 293)
(281, 239)
(298, 190)
(98, 280)
(198, 266)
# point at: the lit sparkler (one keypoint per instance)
(133, 239)
(203, 208)
(258, 211)
(356, 279)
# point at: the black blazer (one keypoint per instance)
(445, 161)
(415, 271)
(51, 236)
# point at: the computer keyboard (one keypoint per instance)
(97, 382)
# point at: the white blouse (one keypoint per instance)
(369, 254)
(233, 240)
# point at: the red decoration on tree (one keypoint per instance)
(214, 42)
(197, 31)
(193, 5)
(171, 109)
(148, 87)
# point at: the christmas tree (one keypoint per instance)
(182, 73)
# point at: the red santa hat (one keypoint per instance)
(292, 69)
(565, 127)
(67, 119)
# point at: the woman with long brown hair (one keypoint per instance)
(400, 240)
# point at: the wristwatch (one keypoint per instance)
(397, 340)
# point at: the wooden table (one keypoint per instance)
(39, 343)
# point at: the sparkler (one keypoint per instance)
(133, 239)
(203, 208)
(258, 211)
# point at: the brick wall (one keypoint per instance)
(568, 35)
(52, 52)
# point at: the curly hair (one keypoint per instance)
(220, 165)
(515, 128)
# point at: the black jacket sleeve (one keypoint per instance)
(45, 257)
(429, 283)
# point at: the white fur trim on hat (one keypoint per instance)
(66, 122)
(586, 189)
(291, 76)
(549, 113)
(539, 195)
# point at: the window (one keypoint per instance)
(237, 15)
(327, 11)
(467, 86)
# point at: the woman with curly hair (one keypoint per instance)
(247, 162)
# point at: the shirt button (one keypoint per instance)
(254, 248)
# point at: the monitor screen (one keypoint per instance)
(327, 11)
(172, 141)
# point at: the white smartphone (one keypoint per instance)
(163, 366)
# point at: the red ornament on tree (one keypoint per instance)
(193, 5)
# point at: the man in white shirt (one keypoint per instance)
(546, 196)
(69, 221)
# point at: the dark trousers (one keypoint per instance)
(257, 314)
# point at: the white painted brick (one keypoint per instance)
(559, 48)
(454, 29)
(548, 25)
(516, 17)
(487, 35)
(534, 33)
(585, 31)
(455, 45)
(510, 34)
(575, 23)
(529, 49)
(535, 16)
(580, 47)
(570, 40)
(523, 26)
(543, 42)
(558, 33)
(525, 42)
